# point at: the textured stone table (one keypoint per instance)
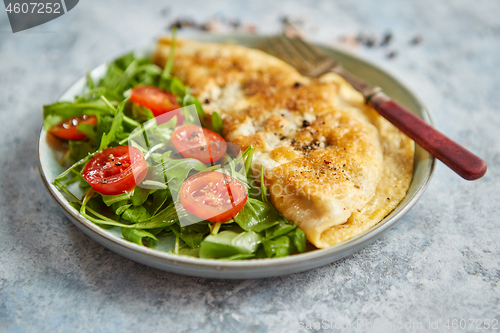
(440, 262)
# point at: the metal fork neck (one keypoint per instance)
(363, 87)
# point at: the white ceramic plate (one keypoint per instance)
(253, 268)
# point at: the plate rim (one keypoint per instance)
(214, 267)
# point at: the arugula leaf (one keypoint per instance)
(121, 207)
(124, 61)
(96, 204)
(227, 243)
(95, 94)
(298, 238)
(160, 133)
(256, 216)
(139, 236)
(289, 243)
(190, 100)
(109, 137)
(140, 195)
(263, 186)
(176, 170)
(58, 181)
(89, 130)
(159, 198)
(234, 227)
(280, 229)
(248, 156)
(191, 236)
(216, 123)
(90, 82)
(55, 113)
(136, 214)
(127, 72)
(164, 218)
(177, 88)
(187, 251)
(170, 61)
(111, 199)
(279, 247)
(79, 149)
(140, 113)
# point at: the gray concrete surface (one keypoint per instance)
(439, 264)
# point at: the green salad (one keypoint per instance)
(151, 162)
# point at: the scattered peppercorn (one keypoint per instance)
(305, 123)
(392, 55)
(416, 40)
(182, 23)
(297, 84)
(386, 40)
(370, 41)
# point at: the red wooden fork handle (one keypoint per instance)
(456, 157)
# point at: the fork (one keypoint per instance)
(310, 61)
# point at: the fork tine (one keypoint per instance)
(307, 59)
(281, 50)
(313, 50)
(275, 47)
(298, 60)
(308, 54)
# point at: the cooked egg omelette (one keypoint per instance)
(332, 165)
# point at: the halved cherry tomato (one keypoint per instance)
(194, 141)
(213, 196)
(67, 129)
(116, 170)
(158, 101)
